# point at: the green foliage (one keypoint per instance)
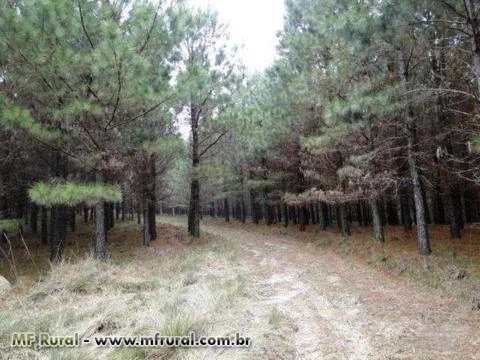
(169, 145)
(71, 194)
(10, 225)
(346, 172)
(14, 117)
(320, 144)
(476, 144)
(260, 184)
(217, 174)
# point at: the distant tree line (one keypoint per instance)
(89, 94)
(369, 116)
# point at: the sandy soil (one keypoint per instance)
(323, 306)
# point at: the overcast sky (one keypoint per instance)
(252, 23)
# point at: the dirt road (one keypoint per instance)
(323, 306)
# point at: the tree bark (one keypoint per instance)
(301, 217)
(194, 209)
(44, 226)
(321, 218)
(146, 227)
(123, 207)
(405, 207)
(73, 219)
(59, 215)
(254, 207)
(194, 206)
(293, 211)
(100, 231)
(463, 206)
(34, 218)
(243, 212)
(111, 215)
(421, 220)
(473, 23)
(453, 213)
(344, 225)
(117, 211)
(268, 214)
(422, 227)
(377, 221)
(152, 200)
(226, 209)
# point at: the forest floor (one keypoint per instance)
(296, 295)
(329, 305)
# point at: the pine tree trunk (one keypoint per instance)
(212, 209)
(152, 221)
(123, 207)
(44, 226)
(474, 24)
(405, 207)
(194, 209)
(85, 214)
(226, 209)
(268, 214)
(421, 219)
(321, 218)
(377, 221)
(194, 205)
(338, 217)
(146, 227)
(422, 227)
(100, 230)
(117, 211)
(293, 210)
(301, 217)
(59, 216)
(453, 213)
(254, 207)
(360, 218)
(344, 225)
(106, 218)
(152, 200)
(437, 205)
(243, 213)
(463, 206)
(111, 215)
(285, 215)
(34, 218)
(73, 219)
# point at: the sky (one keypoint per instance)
(253, 24)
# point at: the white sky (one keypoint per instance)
(253, 24)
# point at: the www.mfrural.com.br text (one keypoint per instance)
(46, 340)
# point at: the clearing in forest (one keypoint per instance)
(295, 301)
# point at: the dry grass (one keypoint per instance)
(453, 269)
(168, 287)
(220, 286)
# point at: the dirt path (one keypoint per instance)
(326, 307)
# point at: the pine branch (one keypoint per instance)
(83, 25)
(212, 144)
(119, 90)
(149, 33)
(141, 114)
